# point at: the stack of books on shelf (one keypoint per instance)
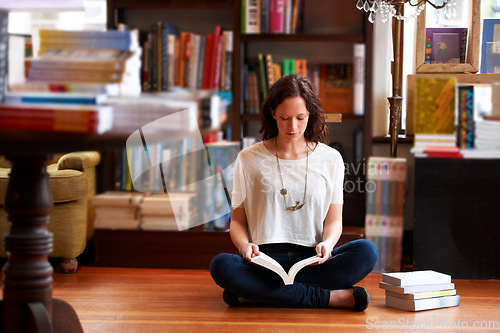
(182, 59)
(487, 128)
(488, 133)
(419, 290)
(172, 211)
(116, 210)
(85, 61)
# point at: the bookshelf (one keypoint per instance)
(330, 38)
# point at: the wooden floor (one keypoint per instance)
(162, 300)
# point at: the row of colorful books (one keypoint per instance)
(419, 290)
(272, 16)
(340, 86)
(182, 59)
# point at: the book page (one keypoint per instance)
(301, 264)
(268, 262)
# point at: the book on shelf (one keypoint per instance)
(55, 97)
(358, 79)
(434, 107)
(301, 67)
(465, 127)
(264, 16)
(215, 68)
(437, 152)
(262, 77)
(88, 39)
(487, 133)
(288, 277)
(84, 59)
(276, 16)
(336, 87)
(226, 80)
(419, 290)
(251, 16)
(4, 54)
(109, 89)
(169, 211)
(82, 118)
(490, 34)
(288, 66)
(445, 45)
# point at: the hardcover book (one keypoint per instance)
(336, 87)
(415, 278)
(465, 128)
(416, 289)
(434, 105)
(422, 304)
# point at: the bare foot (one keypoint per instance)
(341, 298)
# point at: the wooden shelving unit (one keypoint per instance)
(120, 246)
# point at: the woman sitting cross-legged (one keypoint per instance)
(287, 202)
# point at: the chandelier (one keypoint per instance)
(392, 8)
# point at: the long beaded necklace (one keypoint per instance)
(283, 190)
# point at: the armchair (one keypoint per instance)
(72, 179)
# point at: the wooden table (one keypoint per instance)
(27, 304)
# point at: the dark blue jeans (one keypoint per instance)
(349, 264)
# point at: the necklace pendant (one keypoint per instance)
(283, 191)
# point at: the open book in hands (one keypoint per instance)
(266, 261)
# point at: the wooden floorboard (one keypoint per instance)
(175, 300)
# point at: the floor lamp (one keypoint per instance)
(394, 9)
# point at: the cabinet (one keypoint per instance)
(330, 31)
(456, 217)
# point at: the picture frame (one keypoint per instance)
(471, 64)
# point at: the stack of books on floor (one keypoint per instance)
(419, 290)
(116, 210)
(172, 211)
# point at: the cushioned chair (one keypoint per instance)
(72, 181)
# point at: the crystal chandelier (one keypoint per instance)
(392, 8)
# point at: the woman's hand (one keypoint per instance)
(324, 250)
(249, 250)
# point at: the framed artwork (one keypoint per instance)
(459, 52)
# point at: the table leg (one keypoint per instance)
(27, 304)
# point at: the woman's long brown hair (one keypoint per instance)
(292, 86)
